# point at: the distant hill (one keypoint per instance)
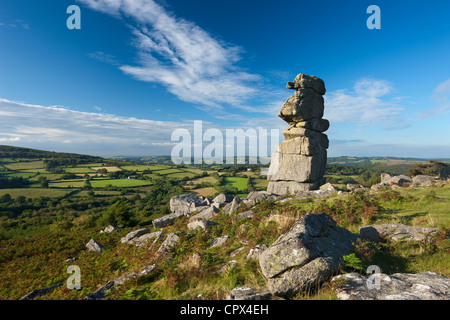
(27, 153)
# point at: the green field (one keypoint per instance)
(237, 182)
(141, 168)
(101, 183)
(26, 165)
(80, 170)
(34, 192)
(78, 183)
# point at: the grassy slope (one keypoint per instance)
(38, 261)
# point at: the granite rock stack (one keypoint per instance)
(299, 161)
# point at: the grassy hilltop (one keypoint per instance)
(52, 204)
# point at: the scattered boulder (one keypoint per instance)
(325, 190)
(222, 199)
(94, 246)
(100, 294)
(256, 251)
(170, 241)
(255, 197)
(206, 214)
(353, 186)
(305, 255)
(109, 229)
(134, 234)
(167, 219)
(219, 242)
(444, 172)
(245, 215)
(236, 252)
(228, 266)
(399, 286)
(249, 293)
(186, 203)
(201, 224)
(422, 180)
(395, 232)
(40, 292)
(142, 240)
(232, 206)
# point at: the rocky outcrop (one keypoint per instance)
(309, 253)
(134, 234)
(201, 224)
(208, 213)
(100, 294)
(422, 180)
(399, 286)
(395, 232)
(40, 292)
(94, 246)
(167, 219)
(249, 293)
(109, 229)
(444, 172)
(186, 203)
(299, 162)
(145, 238)
(232, 206)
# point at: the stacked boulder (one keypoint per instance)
(299, 162)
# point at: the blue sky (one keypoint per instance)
(138, 70)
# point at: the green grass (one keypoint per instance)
(181, 174)
(260, 184)
(141, 168)
(101, 183)
(168, 171)
(80, 170)
(79, 183)
(237, 182)
(34, 192)
(26, 165)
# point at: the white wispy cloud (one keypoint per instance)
(181, 56)
(30, 124)
(364, 104)
(441, 97)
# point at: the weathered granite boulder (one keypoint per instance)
(109, 229)
(245, 215)
(307, 81)
(94, 246)
(299, 163)
(167, 219)
(387, 179)
(399, 286)
(395, 232)
(219, 242)
(306, 104)
(134, 234)
(422, 180)
(249, 293)
(170, 241)
(255, 197)
(232, 206)
(186, 203)
(201, 224)
(208, 213)
(444, 173)
(223, 198)
(256, 251)
(305, 255)
(143, 239)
